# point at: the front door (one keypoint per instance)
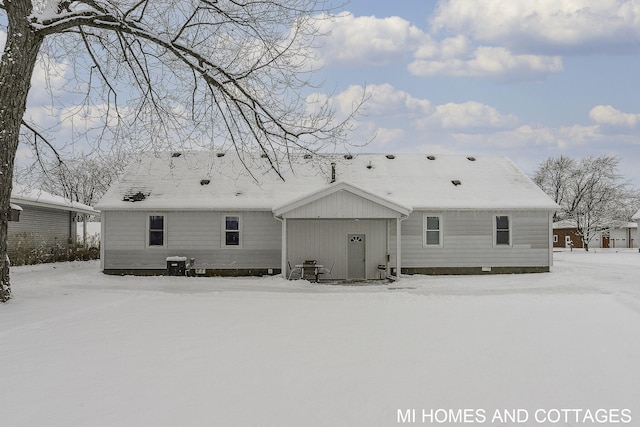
(356, 257)
(605, 241)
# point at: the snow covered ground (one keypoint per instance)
(78, 348)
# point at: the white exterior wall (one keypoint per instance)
(468, 240)
(192, 234)
(325, 240)
(342, 204)
(41, 226)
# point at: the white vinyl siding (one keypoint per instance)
(342, 204)
(194, 234)
(326, 241)
(468, 240)
(40, 226)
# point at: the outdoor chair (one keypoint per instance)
(293, 270)
(327, 271)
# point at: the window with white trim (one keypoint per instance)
(156, 231)
(432, 230)
(502, 230)
(232, 230)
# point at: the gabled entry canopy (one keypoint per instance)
(342, 200)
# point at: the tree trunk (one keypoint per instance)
(18, 60)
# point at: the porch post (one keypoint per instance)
(283, 264)
(398, 248)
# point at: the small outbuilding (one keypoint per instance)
(41, 222)
(355, 216)
(618, 236)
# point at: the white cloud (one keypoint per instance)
(402, 122)
(367, 40)
(544, 25)
(370, 41)
(608, 116)
(494, 62)
(471, 115)
(381, 101)
(388, 109)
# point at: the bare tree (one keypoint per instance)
(553, 175)
(82, 178)
(179, 71)
(591, 193)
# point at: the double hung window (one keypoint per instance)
(502, 230)
(432, 230)
(231, 231)
(156, 235)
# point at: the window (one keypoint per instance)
(156, 230)
(503, 230)
(231, 231)
(432, 230)
(555, 238)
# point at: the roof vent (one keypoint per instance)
(348, 156)
(369, 166)
(176, 154)
(431, 157)
(205, 181)
(390, 156)
(456, 182)
(220, 154)
(238, 193)
(471, 159)
(307, 156)
(135, 197)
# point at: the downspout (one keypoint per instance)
(551, 215)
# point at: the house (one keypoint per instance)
(565, 235)
(367, 215)
(41, 221)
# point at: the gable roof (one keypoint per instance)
(161, 181)
(27, 196)
(338, 187)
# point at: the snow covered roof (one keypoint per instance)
(636, 217)
(570, 223)
(24, 195)
(220, 181)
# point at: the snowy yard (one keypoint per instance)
(78, 348)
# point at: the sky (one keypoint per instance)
(527, 80)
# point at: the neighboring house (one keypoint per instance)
(565, 234)
(366, 215)
(41, 220)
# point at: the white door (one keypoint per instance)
(356, 256)
(567, 241)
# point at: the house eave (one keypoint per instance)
(69, 208)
